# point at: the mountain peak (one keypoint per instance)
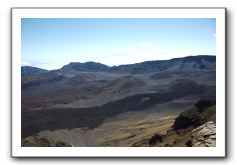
(89, 66)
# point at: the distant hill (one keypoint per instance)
(190, 63)
(29, 70)
(85, 67)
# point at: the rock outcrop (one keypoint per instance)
(186, 119)
(203, 136)
(42, 142)
(203, 112)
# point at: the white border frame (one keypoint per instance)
(218, 151)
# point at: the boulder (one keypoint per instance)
(204, 135)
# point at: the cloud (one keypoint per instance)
(25, 63)
(51, 66)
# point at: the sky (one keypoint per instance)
(50, 43)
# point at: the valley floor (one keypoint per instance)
(126, 129)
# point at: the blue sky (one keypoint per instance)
(51, 43)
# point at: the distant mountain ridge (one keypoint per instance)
(29, 70)
(189, 63)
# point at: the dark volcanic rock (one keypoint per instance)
(195, 117)
(187, 119)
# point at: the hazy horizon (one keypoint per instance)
(51, 43)
(112, 65)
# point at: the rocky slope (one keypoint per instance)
(37, 141)
(192, 128)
